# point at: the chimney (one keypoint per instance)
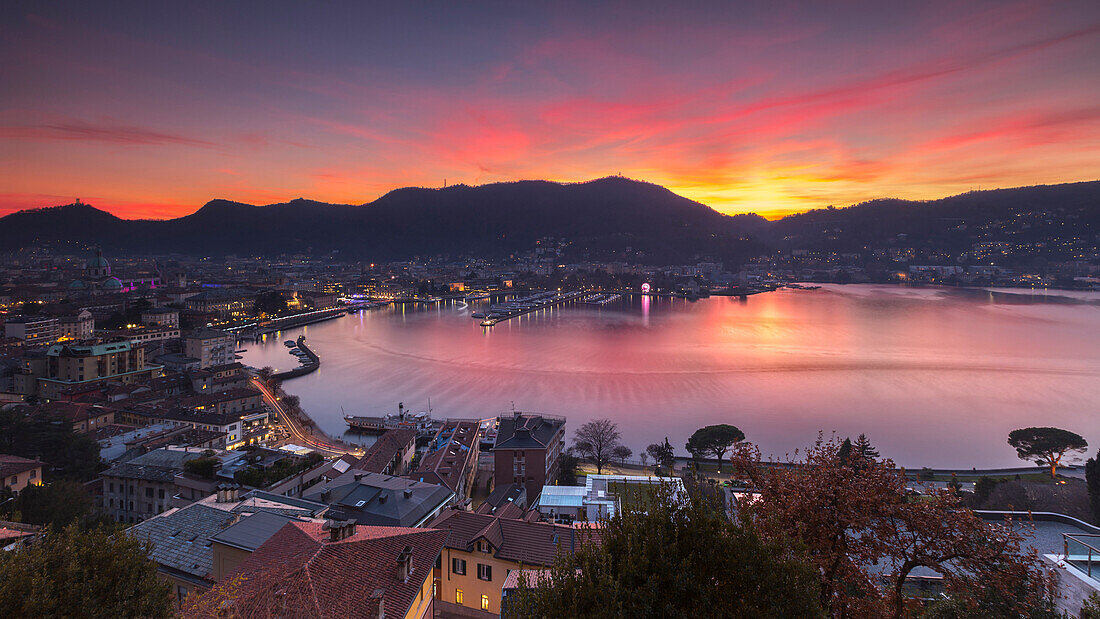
(380, 595)
(404, 564)
(339, 529)
(358, 477)
(326, 494)
(221, 493)
(408, 493)
(232, 493)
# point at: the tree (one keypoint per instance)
(714, 440)
(596, 440)
(1092, 481)
(983, 488)
(57, 504)
(644, 457)
(864, 448)
(680, 556)
(204, 466)
(861, 529)
(69, 455)
(662, 454)
(1046, 446)
(72, 573)
(622, 452)
(265, 373)
(567, 468)
(270, 302)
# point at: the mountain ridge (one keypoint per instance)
(607, 218)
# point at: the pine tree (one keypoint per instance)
(864, 448)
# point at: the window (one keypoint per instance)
(112, 484)
(161, 493)
(181, 593)
(484, 602)
(484, 572)
(458, 596)
(458, 566)
(148, 493)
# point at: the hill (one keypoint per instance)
(606, 219)
(601, 218)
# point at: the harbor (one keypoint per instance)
(524, 305)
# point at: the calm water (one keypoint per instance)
(934, 377)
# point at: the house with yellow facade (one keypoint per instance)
(482, 549)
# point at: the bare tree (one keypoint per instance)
(622, 452)
(596, 440)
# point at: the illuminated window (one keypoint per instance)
(458, 596)
(484, 602)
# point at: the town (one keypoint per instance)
(124, 401)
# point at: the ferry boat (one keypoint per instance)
(422, 422)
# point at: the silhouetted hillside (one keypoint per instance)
(606, 219)
(1020, 215)
(601, 218)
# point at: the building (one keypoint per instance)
(32, 329)
(452, 457)
(78, 327)
(181, 539)
(17, 473)
(83, 417)
(375, 499)
(161, 317)
(337, 569)
(391, 454)
(221, 302)
(69, 366)
(232, 414)
(143, 487)
(218, 378)
(601, 496)
(527, 450)
(210, 347)
(481, 550)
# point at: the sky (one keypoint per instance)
(149, 110)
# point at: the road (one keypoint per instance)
(301, 435)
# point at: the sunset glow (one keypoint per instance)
(150, 111)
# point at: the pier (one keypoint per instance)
(527, 305)
(302, 370)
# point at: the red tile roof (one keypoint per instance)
(530, 543)
(298, 572)
(382, 452)
(13, 465)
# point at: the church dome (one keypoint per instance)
(99, 262)
(112, 283)
(77, 285)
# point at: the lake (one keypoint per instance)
(935, 377)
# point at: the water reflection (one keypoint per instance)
(934, 377)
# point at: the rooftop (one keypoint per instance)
(527, 431)
(299, 568)
(377, 499)
(13, 465)
(383, 451)
(450, 455)
(530, 543)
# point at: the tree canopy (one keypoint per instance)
(662, 454)
(1046, 446)
(714, 440)
(679, 557)
(862, 530)
(596, 440)
(72, 573)
(67, 454)
(57, 504)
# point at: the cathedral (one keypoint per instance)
(97, 279)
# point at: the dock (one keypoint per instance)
(526, 305)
